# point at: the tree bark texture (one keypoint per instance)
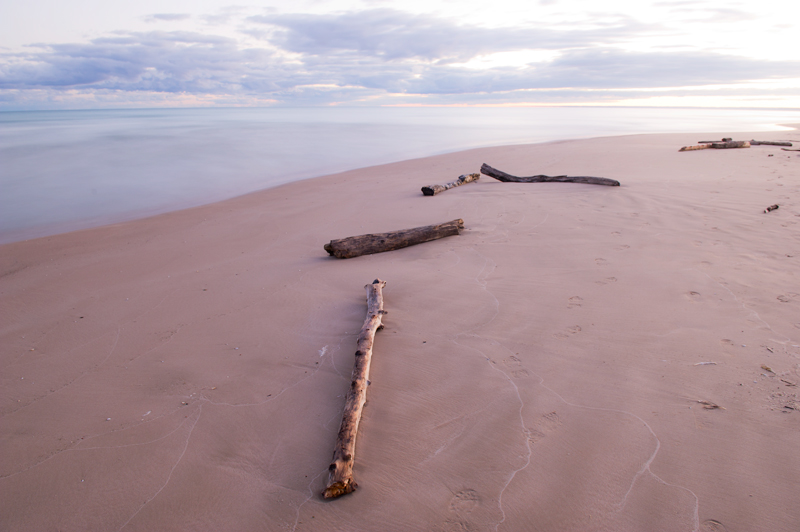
(508, 178)
(432, 190)
(340, 480)
(355, 246)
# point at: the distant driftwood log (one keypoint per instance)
(770, 143)
(508, 178)
(432, 190)
(356, 246)
(718, 145)
(340, 479)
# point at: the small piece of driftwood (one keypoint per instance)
(432, 190)
(725, 139)
(787, 149)
(718, 145)
(355, 246)
(508, 178)
(771, 208)
(770, 143)
(340, 479)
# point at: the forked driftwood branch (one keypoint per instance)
(508, 178)
(355, 246)
(718, 145)
(432, 190)
(340, 480)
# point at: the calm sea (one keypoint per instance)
(65, 170)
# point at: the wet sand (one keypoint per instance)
(554, 367)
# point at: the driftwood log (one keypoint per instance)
(770, 143)
(355, 246)
(771, 208)
(718, 145)
(508, 178)
(340, 480)
(432, 190)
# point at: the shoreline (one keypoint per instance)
(555, 366)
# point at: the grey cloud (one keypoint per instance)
(367, 54)
(396, 35)
(159, 61)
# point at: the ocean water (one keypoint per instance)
(66, 170)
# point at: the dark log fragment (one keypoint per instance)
(770, 143)
(771, 208)
(730, 144)
(355, 246)
(508, 178)
(432, 190)
(340, 478)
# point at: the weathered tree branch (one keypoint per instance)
(432, 190)
(508, 178)
(718, 145)
(340, 480)
(770, 143)
(356, 246)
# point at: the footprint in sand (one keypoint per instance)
(623, 247)
(697, 243)
(600, 262)
(727, 342)
(783, 299)
(520, 373)
(607, 280)
(712, 525)
(465, 501)
(512, 361)
(694, 296)
(574, 301)
(547, 424)
(616, 233)
(575, 329)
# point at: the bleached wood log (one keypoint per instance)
(356, 246)
(703, 146)
(340, 479)
(508, 178)
(432, 190)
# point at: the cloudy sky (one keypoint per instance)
(57, 54)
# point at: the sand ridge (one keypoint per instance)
(541, 371)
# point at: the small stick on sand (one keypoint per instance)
(341, 480)
(432, 190)
(355, 246)
(771, 208)
(508, 178)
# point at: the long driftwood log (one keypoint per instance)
(718, 145)
(770, 143)
(508, 178)
(432, 190)
(355, 246)
(340, 480)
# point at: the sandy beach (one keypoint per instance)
(580, 358)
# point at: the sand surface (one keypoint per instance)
(541, 371)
